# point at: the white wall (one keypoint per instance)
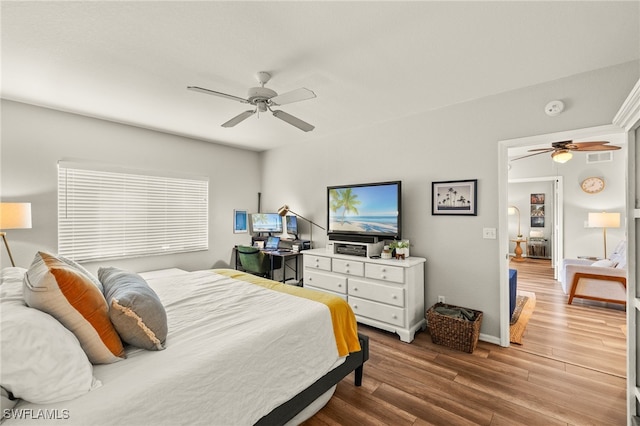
(34, 139)
(457, 142)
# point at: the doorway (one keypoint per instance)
(513, 147)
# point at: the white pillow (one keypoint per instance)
(42, 362)
(605, 263)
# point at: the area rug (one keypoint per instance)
(525, 304)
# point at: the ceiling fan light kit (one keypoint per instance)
(263, 99)
(562, 156)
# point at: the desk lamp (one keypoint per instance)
(14, 216)
(282, 211)
(604, 220)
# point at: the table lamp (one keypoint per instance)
(282, 211)
(14, 216)
(514, 210)
(604, 220)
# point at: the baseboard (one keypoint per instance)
(489, 339)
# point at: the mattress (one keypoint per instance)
(234, 352)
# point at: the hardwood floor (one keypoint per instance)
(570, 370)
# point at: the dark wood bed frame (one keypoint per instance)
(354, 362)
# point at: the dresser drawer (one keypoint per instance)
(324, 290)
(322, 280)
(378, 292)
(384, 272)
(349, 267)
(317, 262)
(377, 311)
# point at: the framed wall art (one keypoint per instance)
(455, 197)
(239, 221)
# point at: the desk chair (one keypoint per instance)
(256, 262)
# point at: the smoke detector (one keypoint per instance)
(554, 108)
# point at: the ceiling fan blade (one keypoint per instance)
(293, 96)
(531, 155)
(239, 118)
(213, 92)
(294, 121)
(592, 146)
(541, 150)
(596, 148)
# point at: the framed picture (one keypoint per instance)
(239, 221)
(537, 221)
(537, 198)
(456, 197)
(537, 210)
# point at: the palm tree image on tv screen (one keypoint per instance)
(364, 209)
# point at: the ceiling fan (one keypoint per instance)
(561, 151)
(264, 99)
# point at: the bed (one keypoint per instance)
(239, 350)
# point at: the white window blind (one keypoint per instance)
(106, 214)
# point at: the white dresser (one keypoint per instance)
(383, 293)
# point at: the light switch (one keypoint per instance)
(489, 233)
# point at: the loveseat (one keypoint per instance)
(604, 280)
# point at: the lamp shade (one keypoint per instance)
(604, 220)
(282, 211)
(15, 215)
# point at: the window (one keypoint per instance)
(107, 213)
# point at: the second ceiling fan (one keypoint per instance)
(561, 151)
(263, 99)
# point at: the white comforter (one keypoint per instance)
(235, 351)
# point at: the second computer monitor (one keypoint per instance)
(266, 222)
(292, 225)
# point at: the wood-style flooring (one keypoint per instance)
(570, 370)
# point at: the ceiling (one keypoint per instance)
(367, 62)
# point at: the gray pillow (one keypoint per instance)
(134, 309)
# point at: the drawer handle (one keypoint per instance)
(355, 306)
(346, 264)
(394, 316)
(384, 277)
(393, 296)
(384, 270)
(347, 271)
(339, 285)
(355, 289)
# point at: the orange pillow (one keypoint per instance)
(66, 293)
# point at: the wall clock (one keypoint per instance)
(592, 185)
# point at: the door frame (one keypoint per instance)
(628, 118)
(503, 178)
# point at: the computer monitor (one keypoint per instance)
(292, 225)
(272, 243)
(266, 222)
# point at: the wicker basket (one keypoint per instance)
(452, 332)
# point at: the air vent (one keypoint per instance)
(599, 157)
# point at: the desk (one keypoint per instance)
(287, 257)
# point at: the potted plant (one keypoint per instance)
(401, 248)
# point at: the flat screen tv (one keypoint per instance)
(368, 209)
(266, 223)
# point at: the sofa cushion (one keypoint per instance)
(604, 263)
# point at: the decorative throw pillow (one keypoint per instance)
(53, 286)
(42, 362)
(135, 309)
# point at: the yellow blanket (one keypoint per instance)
(345, 328)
